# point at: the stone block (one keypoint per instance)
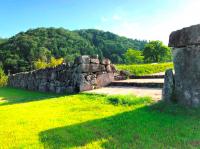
(104, 79)
(114, 69)
(53, 75)
(52, 87)
(90, 77)
(86, 86)
(102, 68)
(124, 73)
(95, 68)
(85, 74)
(169, 86)
(186, 36)
(42, 88)
(83, 68)
(70, 90)
(60, 89)
(106, 61)
(85, 59)
(89, 68)
(108, 68)
(187, 75)
(94, 61)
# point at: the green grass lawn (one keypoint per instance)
(145, 69)
(38, 120)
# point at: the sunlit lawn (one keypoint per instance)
(145, 69)
(39, 120)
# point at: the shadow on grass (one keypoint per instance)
(155, 126)
(13, 95)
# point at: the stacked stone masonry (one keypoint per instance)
(186, 57)
(86, 73)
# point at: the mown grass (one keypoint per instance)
(145, 69)
(93, 121)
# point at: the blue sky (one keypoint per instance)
(141, 19)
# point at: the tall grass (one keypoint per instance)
(145, 69)
(128, 100)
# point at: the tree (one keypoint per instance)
(116, 59)
(156, 51)
(43, 53)
(3, 78)
(133, 56)
(20, 52)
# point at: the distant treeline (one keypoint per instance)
(19, 52)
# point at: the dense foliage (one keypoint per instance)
(3, 78)
(2, 40)
(153, 52)
(133, 57)
(19, 52)
(110, 45)
(156, 51)
(144, 69)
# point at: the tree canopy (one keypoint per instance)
(19, 52)
(156, 51)
(133, 56)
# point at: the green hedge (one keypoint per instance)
(144, 69)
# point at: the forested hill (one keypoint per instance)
(20, 51)
(2, 40)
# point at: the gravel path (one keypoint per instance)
(159, 73)
(138, 91)
(155, 93)
(143, 80)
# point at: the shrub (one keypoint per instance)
(55, 62)
(128, 100)
(3, 78)
(40, 64)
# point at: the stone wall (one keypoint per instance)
(86, 73)
(186, 57)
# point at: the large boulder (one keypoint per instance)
(94, 60)
(82, 68)
(104, 79)
(84, 59)
(90, 68)
(187, 75)
(109, 69)
(95, 68)
(84, 85)
(186, 57)
(124, 73)
(168, 88)
(106, 61)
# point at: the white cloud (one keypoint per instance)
(157, 27)
(116, 17)
(104, 19)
